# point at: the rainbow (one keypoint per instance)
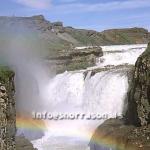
(29, 123)
(97, 140)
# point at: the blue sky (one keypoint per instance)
(89, 14)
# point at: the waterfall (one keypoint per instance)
(81, 92)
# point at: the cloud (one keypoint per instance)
(38, 4)
(76, 7)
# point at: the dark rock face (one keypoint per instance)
(7, 110)
(76, 59)
(138, 112)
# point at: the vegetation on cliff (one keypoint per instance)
(5, 74)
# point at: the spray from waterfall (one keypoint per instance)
(23, 51)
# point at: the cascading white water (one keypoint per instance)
(118, 55)
(75, 92)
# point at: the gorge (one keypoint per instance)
(65, 70)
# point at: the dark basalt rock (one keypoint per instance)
(138, 112)
(75, 59)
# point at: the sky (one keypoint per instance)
(88, 14)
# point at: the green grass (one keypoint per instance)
(5, 74)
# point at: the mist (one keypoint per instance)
(24, 52)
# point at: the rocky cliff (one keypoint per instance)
(77, 59)
(7, 110)
(138, 112)
(133, 131)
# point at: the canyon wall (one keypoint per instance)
(138, 112)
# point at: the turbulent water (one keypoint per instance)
(83, 93)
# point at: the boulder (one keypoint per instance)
(114, 134)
